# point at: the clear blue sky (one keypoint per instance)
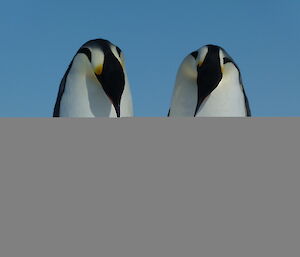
(39, 39)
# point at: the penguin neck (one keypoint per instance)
(84, 95)
(184, 98)
(126, 99)
(227, 99)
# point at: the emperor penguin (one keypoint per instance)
(209, 83)
(95, 84)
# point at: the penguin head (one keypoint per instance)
(208, 66)
(107, 63)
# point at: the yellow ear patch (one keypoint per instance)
(200, 63)
(99, 69)
(122, 63)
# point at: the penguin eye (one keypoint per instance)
(119, 51)
(195, 54)
(87, 52)
(226, 60)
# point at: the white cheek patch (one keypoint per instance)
(231, 73)
(97, 59)
(188, 68)
(202, 54)
(222, 56)
(116, 54)
(122, 60)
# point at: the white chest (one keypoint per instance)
(227, 100)
(84, 97)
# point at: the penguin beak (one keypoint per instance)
(209, 75)
(112, 79)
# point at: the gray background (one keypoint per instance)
(149, 187)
